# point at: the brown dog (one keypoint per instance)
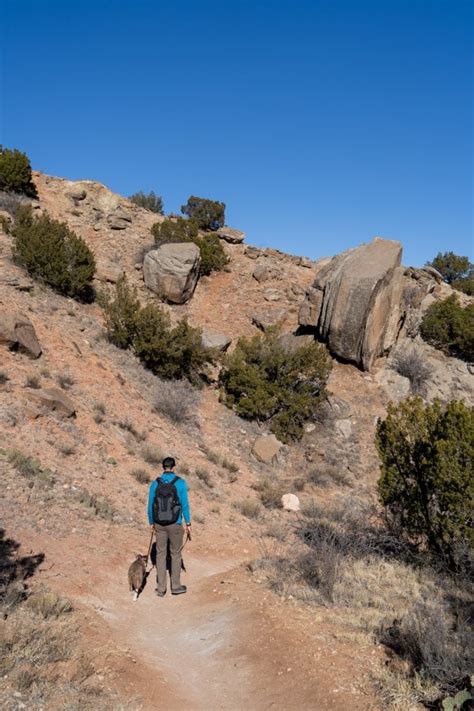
(136, 575)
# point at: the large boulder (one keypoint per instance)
(172, 271)
(19, 333)
(354, 303)
(266, 448)
(55, 400)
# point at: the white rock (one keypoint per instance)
(290, 502)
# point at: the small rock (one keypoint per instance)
(108, 272)
(272, 295)
(266, 319)
(344, 427)
(215, 340)
(290, 502)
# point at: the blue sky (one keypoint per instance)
(319, 123)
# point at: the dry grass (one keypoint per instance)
(177, 400)
(31, 469)
(204, 476)
(344, 557)
(99, 506)
(270, 492)
(141, 475)
(33, 381)
(411, 363)
(151, 454)
(65, 380)
(249, 508)
(327, 474)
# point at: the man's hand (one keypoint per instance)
(152, 526)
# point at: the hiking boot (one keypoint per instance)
(179, 591)
(160, 593)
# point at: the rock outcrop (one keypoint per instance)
(172, 271)
(55, 400)
(354, 303)
(18, 332)
(231, 235)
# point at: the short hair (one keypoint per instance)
(168, 463)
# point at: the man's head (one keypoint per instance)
(168, 464)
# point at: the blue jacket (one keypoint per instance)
(181, 488)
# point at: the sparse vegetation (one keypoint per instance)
(32, 381)
(151, 455)
(4, 378)
(270, 492)
(449, 327)
(99, 506)
(47, 604)
(213, 257)
(177, 401)
(344, 555)
(65, 380)
(11, 202)
(326, 474)
(264, 381)
(249, 508)
(66, 449)
(204, 476)
(208, 214)
(15, 172)
(54, 254)
(141, 475)
(410, 363)
(31, 469)
(171, 353)
(149, 201)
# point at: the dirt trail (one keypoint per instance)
(225, 646)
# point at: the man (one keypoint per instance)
(168, 506)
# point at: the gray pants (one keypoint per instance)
(174, 534)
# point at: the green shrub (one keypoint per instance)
(449, 327)
(151, 202)
(208, 214)
(465, 284)
(427, 473)
(451, 266)
(263, 380)
(121, 314)
(176, 230)
(51, 252)
(169, 352)
(15, 172)
(213, 257)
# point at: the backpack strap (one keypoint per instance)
(173, 481)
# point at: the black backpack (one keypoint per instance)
(166, 504)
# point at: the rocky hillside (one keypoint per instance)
(83, 427)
